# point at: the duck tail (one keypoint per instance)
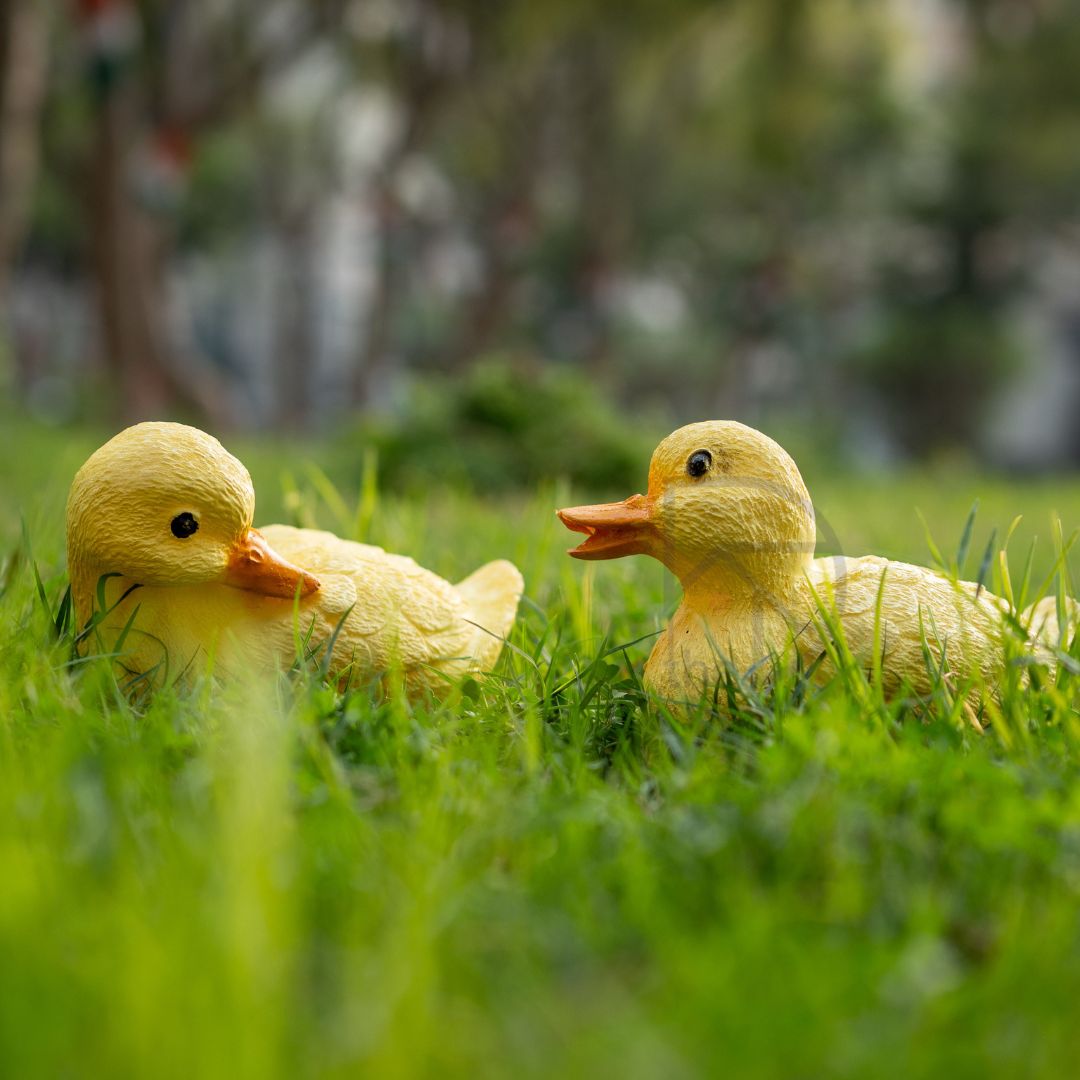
(491, 595)
(1042, 618)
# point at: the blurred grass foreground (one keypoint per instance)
(546, 874)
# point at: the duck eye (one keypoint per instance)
(183, 525)
(698, 463)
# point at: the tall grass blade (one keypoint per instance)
(965, 538)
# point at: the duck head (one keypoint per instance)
(726, 511)
(166, 504)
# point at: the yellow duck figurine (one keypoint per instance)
(167, 512)
(728, 513)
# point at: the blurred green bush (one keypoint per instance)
(508, 423)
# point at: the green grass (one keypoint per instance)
(545, 875)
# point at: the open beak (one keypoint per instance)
(612, 529)
(254, 565)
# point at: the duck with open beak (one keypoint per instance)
(612, 530)
(728, 513)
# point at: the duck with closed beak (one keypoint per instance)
(728, 513)
(159, 519)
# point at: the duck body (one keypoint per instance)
(235, 600)
(958, 623)
(393, 614)
(727, 511)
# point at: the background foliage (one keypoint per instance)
(857, 216)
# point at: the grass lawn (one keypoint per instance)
(545, 875)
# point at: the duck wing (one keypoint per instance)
(1046, 628)
(960, 623)
(396, 614)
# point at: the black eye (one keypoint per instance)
(183, 525)
(698, 463)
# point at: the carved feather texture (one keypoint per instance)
(388, 612)
(740, 537)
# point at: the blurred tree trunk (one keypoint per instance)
(421, 70)
(131, 251)
(507, 220)
(594, 111)
(156, 77)
(390, 228)
(567, 102)
(127, 241)
(22, 86)
(487, 313)
(127, 267)
(295, 339)
(389, 288)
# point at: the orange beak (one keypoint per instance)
(613, 529)
(254, 565)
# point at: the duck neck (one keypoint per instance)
(733, 584)
(85, 573)
(80, 578)
(84, 582)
